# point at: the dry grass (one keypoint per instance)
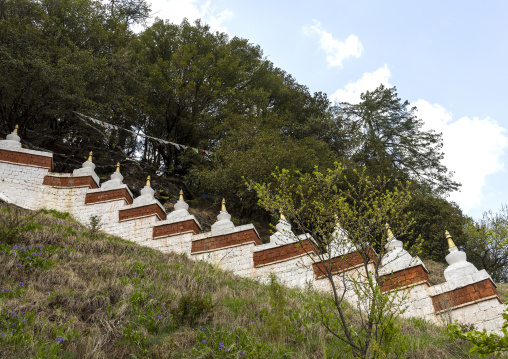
(502, 289)
(108, 298)
(436, 271)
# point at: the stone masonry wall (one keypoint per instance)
(26, 181)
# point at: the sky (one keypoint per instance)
(447, 58)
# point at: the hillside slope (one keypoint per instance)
(73, 292)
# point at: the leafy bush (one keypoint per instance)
(13, 223)
(192, 309)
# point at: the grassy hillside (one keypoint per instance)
(73, 292)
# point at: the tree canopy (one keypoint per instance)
(186, 84)
(392, 139)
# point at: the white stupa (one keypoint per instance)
(457, 260)
(12, 141)
(147, 195)
(115, 181)
(223, 223)
(396, 257)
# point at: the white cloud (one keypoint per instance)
(336, 51)
(368, 82)
(176, 10)
(473, 149)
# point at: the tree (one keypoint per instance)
(483, 343)
(252, 153)
(57, 57)
(433, 215)
(362, 205)
(392, 139)
(130, 11)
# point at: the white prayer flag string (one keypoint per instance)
(110, 126)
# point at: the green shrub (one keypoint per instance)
(61, 215)
(13, 223)
(192, 309)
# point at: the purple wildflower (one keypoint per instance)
(60, 339)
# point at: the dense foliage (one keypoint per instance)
(186, 84)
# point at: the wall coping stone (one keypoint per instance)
(87, 171)
(274, 244)
(250, 242)
(245, 227)
(423, 282)
(23, 151)
(282, 260)
(170, 220)
(459, 283)
(134, 206)
(458, 293)
(27, 151)
(167, 222)
(318, 274)
(180, 216)
(387, 278)
(68, 176)
(469, 303)
(105, 190)
(153, 201)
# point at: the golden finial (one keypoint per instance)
(118, 167)
(337, 224)
(15, 129)
(148, 181)
(223, 208)
(282, 217)
(450, 240)
(181, 195)
(90, 156)
(389, 231)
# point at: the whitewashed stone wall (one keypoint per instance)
(237, 259)
(179, 243)
(22, 184)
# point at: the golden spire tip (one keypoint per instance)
(223, 208)
(181, 195)
(90, 156)
(282, 217)
(118, 167)
(389, 231)
(450, 240)
(15, 129)
(148, 181)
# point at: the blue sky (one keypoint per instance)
(447, 58)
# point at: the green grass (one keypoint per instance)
(65, 293)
